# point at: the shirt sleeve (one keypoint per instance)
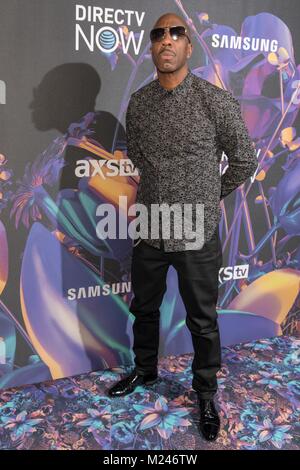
(132, 137)
(234, 139)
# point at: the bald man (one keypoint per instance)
(177, 127)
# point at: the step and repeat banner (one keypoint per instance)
(67, 72)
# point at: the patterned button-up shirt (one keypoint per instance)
(175, 138)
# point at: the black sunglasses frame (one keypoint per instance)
(171, 31)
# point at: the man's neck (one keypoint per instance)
(172, 79)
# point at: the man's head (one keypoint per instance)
(179, 49)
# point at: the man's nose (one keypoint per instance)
(167, 38)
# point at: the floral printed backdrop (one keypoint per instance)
(48, 239)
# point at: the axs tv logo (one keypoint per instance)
(233, 272)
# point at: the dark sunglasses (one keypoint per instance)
(176, 32)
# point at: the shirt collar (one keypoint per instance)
(180, 89)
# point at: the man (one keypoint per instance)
(177, 128)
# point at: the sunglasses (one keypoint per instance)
(176, 32)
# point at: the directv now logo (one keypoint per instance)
(106, 29)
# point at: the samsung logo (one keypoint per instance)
(99, 291)
(245, 43)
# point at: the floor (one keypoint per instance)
(258, 399)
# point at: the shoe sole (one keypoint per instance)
(149, 382)
(210, 440)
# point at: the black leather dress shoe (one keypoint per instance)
(209, 419)
(129, 383)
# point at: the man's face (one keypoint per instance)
(170, 55)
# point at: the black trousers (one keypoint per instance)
(197, 272)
